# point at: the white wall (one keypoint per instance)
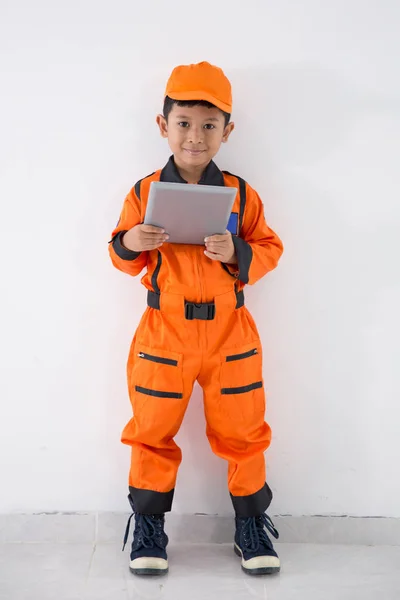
(316, 91)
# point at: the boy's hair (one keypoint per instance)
(169, 103)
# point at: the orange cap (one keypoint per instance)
(201, 82)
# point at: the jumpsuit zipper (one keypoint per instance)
(199, 274)
(240, 356)
(158, 359)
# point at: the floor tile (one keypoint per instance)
(198, 572)
(44, 571)
(212, 572)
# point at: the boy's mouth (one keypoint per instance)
(194, 152)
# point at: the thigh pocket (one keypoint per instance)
(242, 388)
(156, 381)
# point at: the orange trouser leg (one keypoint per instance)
(168, 354)
(234, 402)
(159, 390)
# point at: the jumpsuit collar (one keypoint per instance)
(211, 176)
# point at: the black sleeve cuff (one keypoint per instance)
(119, 249)
(244, 255)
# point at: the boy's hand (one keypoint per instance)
(144, 237)
(220, 247)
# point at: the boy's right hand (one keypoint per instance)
(144, 237)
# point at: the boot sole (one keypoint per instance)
(149, 566)
(258, 571)
(149, 572)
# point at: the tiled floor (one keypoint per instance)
(46, 571)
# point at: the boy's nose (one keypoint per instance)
(195, 135)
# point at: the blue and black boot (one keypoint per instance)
(148, 554)
(254, 547)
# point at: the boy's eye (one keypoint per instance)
(209, 126)
(183, 124)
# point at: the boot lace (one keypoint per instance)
(253, 533)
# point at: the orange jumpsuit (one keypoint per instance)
(196, 327)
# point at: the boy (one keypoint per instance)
(196, 327)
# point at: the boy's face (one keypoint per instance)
(194, 134)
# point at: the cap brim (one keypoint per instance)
(189, 96)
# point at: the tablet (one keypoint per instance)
(188, 212)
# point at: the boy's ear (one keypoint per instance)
(228, 130)
(163, 125)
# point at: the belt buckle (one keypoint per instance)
(202, 312)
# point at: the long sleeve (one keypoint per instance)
(123, 259)
(258, 248)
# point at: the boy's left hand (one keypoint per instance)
(220, 247)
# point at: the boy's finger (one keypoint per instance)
(218, 245)
(218, 248)
(153, 241)
(152, 229)
(213, 255)
(153, 237)
(217, 238)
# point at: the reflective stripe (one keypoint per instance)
(138, 185)
(158, 359)
(242, 189)
(153, 300)
(242, 192)
(241, 356)
(158, 394)
(242, 390)
(137, 189)
(155, 273)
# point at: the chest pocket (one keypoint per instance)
(233, 223)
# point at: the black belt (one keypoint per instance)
(203, 311)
